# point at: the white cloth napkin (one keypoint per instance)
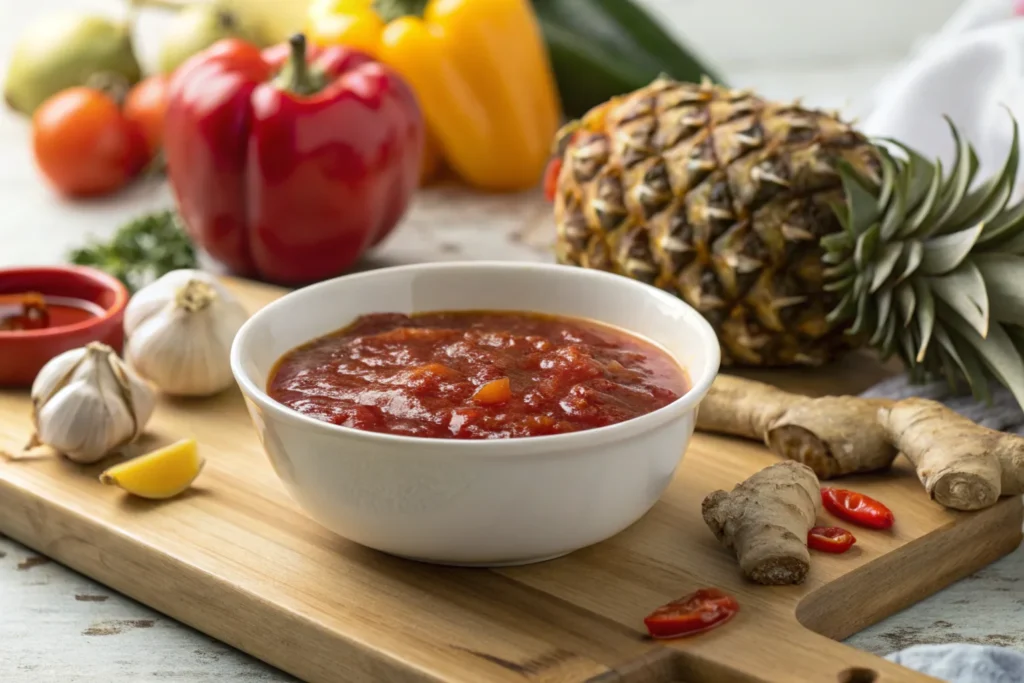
(971, 70)
(963, 663)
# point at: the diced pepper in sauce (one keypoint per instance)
(495, 391)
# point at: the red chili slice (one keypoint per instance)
(857, 508)
(700, 611)
(554, 167)
(830, 539)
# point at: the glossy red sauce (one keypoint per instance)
(476, 375)
(32, 311)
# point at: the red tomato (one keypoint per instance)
(831, 539)
(145, 106)
(857, 508)
(700, 611)
(84, 145)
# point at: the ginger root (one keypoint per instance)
(962, 465)
(833, 435)
(765, 519)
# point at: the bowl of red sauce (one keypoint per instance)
(482, 413)
(47, 310)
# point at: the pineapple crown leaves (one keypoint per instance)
(932, 270)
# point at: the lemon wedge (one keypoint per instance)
(163, 473)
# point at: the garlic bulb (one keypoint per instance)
(180, 330)
(86, 403)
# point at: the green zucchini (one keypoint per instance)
(603, 48)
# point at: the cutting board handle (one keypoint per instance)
(832, 662)
(777, 657)
(851, 665)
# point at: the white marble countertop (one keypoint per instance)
(57, 626)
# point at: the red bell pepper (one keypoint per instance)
(288, 168)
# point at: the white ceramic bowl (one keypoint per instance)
(475, 502)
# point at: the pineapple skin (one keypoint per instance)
(720, 197)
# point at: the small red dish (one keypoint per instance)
(24, 352)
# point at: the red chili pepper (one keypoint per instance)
(554, 167)
(857, 508)
(830, 539)
(551, 172)
(290, 176)
(700, 611)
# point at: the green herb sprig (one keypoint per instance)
(141, 250)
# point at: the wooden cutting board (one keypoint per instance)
(237, 559)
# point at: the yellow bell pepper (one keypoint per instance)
(479, 69)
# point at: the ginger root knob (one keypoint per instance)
(765, 519)
(833, 435)
(962, 465)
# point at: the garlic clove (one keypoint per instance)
(56, 372)
(81, 423)
(182, 368)
(138, 393)
(156, 296)
(180, 330)
(149, 300)
(86, 403)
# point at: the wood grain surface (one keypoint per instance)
(237, 559)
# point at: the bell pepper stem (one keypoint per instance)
(388, 10)
(113, 84)
(296, 76)
(300, 71)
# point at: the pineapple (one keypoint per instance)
(797, 237)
